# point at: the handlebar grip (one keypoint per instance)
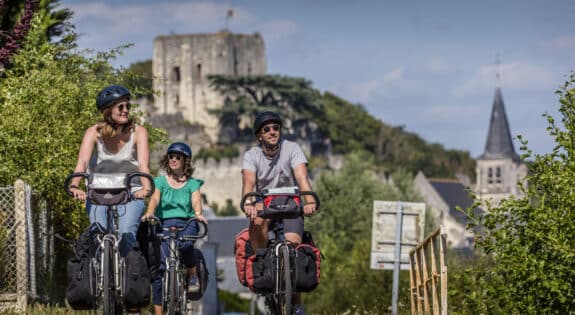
(248, 195)
(315, 197)
(148, 176)
(69, 178)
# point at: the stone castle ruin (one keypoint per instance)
(181, 64)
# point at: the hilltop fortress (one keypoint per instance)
(181, 64)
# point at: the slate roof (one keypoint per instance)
(453, 194)
(499, 143)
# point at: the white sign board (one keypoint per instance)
(384, 228)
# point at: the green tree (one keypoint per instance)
(293, 98)
(15, 22)
(342, 229)
(529, 242)
(350, 127)
(43, 120)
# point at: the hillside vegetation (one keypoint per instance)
(348, 126)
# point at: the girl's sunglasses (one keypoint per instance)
(176, 156)
(267, 129)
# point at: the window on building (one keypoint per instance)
(176, 74)
(498, 175)
(177, 100)
(198, 77)
(249, 68)
(490, 175)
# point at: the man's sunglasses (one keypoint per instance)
(174, 156)
(267, 129)
(121, 107)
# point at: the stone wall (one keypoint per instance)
(222, 180)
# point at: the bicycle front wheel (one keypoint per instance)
(171, 293)
(285, 281)
(108, 287)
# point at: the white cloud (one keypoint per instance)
(369, 90)
(564, 42)
(439, 66)
(106, 25)
(277, 30)
(516, 75)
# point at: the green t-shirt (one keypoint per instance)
(176, 203)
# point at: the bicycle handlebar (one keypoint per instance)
(128, 181)
(203, 229)
(260, 196)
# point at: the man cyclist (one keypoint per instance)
(274, 163)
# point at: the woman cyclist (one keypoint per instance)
(177, 198)
(115, 144)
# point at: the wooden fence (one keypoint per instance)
(428, 275)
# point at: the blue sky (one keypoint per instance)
(429, 66)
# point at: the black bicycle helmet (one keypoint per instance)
(266, 118)
(180, 147)
(109, 95)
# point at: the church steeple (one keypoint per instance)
(499, 144)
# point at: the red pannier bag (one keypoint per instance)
(242, 251)
(255, 271)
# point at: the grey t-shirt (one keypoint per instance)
(276, 171)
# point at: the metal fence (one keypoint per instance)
(26, 247)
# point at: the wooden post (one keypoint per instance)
(21, 246)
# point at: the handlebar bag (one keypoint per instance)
(108, 189)
(282, 206)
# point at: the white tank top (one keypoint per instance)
(124, 161)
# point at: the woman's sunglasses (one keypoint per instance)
(267, 129)
(176, 156)
(127, 106)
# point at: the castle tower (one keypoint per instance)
(181, 64)
(499, 168)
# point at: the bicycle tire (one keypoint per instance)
(108, 293)
(171, 292)
(286, 281)
(182, 290)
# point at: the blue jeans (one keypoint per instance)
(129, 218)
(186, 253)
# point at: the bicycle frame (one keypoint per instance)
(173, 284)
(108, 254)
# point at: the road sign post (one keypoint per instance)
(397, 227)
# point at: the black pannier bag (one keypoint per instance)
(260, 272)
(307, 264)
(81, 291)
(136, 282)
(150, 245)
(203, 275)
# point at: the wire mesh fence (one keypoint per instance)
(26, 247)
